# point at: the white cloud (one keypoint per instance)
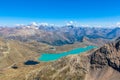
(34, 24)
(70, 23)
(19, 24)
(43, 24)
(118, 24)
(52, 24)
(85, 25)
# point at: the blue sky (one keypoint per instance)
(59, 11)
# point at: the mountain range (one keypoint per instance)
(21, 46)
(58, 36)
(98, 64)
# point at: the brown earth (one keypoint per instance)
(97, 64)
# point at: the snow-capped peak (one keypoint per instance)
(34, 24)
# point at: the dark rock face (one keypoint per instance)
(109, 55)
(117, 45)
(104, 50)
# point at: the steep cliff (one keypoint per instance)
(105, 62)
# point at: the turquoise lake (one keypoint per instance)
(55, 56)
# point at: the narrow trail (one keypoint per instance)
(8, 50)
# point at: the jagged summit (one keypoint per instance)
(105, 61)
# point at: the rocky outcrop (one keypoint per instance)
(69, 68)
(105, 62)
(108, 55)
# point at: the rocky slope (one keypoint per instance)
(100, 64)
(105, 62)
(13, 52)
(97, 64)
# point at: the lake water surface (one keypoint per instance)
(55, 56)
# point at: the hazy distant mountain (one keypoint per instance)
(114, 33)
(54, 35)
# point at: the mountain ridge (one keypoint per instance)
(58, 36)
